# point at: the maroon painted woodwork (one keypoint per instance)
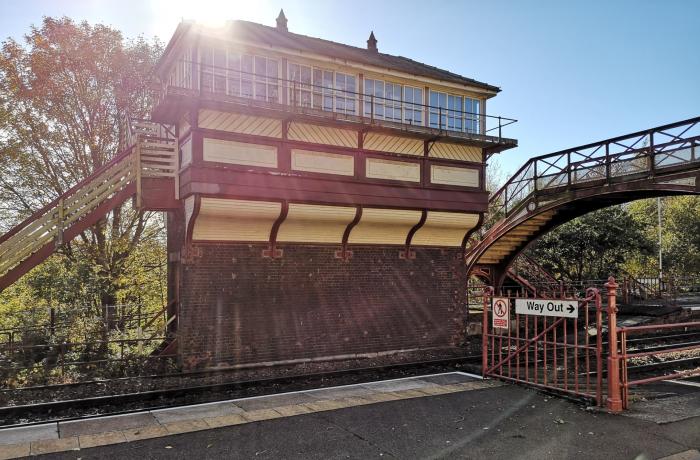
(217, 182)
(175, 101)
(158, 194)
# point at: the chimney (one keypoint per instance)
(282, 21)
(372, 43)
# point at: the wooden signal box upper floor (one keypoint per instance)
(267, 115)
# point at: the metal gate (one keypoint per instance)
(559, 354)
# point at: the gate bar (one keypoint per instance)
(526, 344)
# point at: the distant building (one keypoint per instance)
(327, 195)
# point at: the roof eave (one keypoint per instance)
(182, 28)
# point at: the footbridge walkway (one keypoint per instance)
(552, 189)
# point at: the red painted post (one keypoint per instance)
(488, 291)
(614, 401)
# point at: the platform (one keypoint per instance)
(100, 431)
(450, 415)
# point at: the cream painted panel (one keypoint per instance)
(239, 123)
(377, 168)
(449, 175)
(235, 220)
(189, 209)
(240, 153)
(315, 223)
(186, 153)
(320, 162)
(322, 135)
(444, 229)
(393, 144)
(384, 226)
(456, 152)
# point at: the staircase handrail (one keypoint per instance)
(46, 208)
(539, 268)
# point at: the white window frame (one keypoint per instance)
(320, 96)
(389, 100)
(224, 70)
(414, 106)
(181, 75)
(457, 114)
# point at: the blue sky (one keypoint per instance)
(571, 72)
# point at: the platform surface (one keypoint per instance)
(444, 416)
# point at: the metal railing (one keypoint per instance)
(646, 152)
(343, 103)
(73, 346)
(563, 355)
(626, 356)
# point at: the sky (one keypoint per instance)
(571, 72)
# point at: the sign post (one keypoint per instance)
(500, 313)
(547, 307)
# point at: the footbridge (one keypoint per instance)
(552, 189)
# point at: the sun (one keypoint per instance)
(213, 13)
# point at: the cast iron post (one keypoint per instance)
(614, 401)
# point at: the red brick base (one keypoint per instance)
(237, 307)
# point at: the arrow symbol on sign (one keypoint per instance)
(571, 309)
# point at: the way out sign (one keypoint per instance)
(500, 313)
(547, 307)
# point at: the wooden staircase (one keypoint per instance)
(149, 151)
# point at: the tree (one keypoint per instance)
(62, 97)
(593, 246)
(680, 237)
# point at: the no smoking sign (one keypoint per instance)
(500, 313)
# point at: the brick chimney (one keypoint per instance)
(372, 43)
(282, 21)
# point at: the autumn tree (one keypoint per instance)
(63, 94)
(680, 235)
(593, 246)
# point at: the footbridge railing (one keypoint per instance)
(645, 153)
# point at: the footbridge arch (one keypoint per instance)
(552, 189)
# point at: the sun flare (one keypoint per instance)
(213, 13)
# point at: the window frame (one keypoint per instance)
(320, 93)
(469, 120)
(239, 76)
(413, 107)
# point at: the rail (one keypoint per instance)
(625, 355)
(149, 150)
(642, 153)
(336, 98)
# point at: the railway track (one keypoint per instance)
(190, 393)
(41, 412)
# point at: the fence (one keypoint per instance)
(558, 354)
(63, 348)
(626, 354)
(569, 355)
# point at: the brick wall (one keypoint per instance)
(237, 307)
